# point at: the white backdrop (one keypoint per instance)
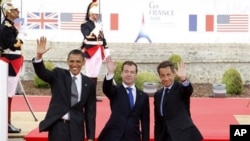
(165, 21)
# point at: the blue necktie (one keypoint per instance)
(162, 99)
(131, 98)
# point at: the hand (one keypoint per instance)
(181, 72)
(41, 47)
(111, 65)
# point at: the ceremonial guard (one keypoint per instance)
(10, 52)
(94, 43)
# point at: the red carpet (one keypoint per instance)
(211, 115)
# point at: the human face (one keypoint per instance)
(13, 14)
(75, 63)
(94, 17)
(129, 74)
(166, 76)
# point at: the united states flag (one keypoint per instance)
(42, 20)
(232, 23)
(71, 21)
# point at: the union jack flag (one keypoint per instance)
(42, 20)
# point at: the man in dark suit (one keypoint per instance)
(66, 117)
(172, 106)
(129, 119)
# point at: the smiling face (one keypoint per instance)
(75, 62)
(166, 76)
(166, 73)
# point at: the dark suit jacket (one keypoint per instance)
(176, 120)
(124, 123)
(84, 111)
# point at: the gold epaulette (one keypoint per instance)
(18, 43)
(90, 37)
(84, 22)
(7, 23)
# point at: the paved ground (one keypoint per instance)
(25, 121)
(15, 139)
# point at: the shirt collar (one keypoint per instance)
(125, 86)
(169, 87)
(78, 76)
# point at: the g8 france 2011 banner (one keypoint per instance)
(141, 21)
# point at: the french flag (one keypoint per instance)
(203, 23)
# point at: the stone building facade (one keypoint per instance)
(206, 62)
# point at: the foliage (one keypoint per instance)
(145, 76)
(175, 59)
(118, 71)
(233, 81)
(39, 83)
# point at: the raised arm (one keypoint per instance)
(41, 47)
(111, 65)
(181, 72)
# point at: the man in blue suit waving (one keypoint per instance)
(129, 119)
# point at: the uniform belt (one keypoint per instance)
(65, 120)
(93, 42)
(17, 52)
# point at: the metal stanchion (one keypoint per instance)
(26, 100)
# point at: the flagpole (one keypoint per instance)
(0, 11)
(100, 10)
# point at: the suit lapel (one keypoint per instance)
(159, 99)
(85, 88)
(138, 98)
(125, 98)
(68, 81)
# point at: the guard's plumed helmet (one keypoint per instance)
(92, 8)
(7, 7)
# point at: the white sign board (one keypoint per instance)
(130, 21)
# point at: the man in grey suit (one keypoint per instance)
(173, 120)
(67, 115)
(129, 119)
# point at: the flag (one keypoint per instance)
(232, 23)
(201, 23)
(192, 22)
(114, 18)
(209, 23)
(71, 21)
(18, 22)
(42, 20)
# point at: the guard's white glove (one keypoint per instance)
(97, 29)
(106, 52)
(22, 33)
(95, 32)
